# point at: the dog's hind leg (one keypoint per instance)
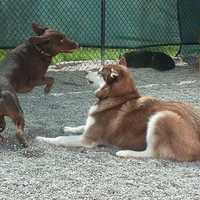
(151, 137)
(2, 124)
(68, 141)
(20, 132)
(2, 127)
(78, 129)
(13, 110)
(169, 136)
(47, 81)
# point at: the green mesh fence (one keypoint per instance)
(172, 26)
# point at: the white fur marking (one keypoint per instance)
(90, 120)
(67, 141)
(101, 86)
(114, 73)
(92, 109)
(134, 154)
(95, 78)
(78, 129)
(150, 138)
(73, 141)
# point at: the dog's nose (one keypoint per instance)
(86, 73)
(90, 82)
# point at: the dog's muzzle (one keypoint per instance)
(94, 78)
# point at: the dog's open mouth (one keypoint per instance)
(67, 51)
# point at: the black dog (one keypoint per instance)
(141, 59)
(24, 68)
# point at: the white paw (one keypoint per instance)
(124, 153)
(68, 129)
(40, 139)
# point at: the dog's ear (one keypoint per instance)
(38, 28)
(122, 61)
(38, 39)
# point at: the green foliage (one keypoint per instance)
(95, 54)
(110, 54)
(2, 54)
(83, 54)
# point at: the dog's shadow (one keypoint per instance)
(36, 150)
(8, 142)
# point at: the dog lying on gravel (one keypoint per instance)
(24, 68)
(147, 59)
(141, 126)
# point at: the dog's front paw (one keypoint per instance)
(124, 153)
(77, 129)
(49, 83)
(40, 139)
(68, 129)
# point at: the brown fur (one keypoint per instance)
(25, 68)
(122, 117)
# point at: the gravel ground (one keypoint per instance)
(43, 171)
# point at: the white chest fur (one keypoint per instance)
(90, 120)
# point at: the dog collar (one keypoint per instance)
(42, 52)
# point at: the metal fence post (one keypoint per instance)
(103, 16)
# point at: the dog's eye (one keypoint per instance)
(62, 40)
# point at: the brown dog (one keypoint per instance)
(10, 107)
(24, 68)
(27, 64)
(145, 125)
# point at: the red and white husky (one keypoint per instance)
(140, 126)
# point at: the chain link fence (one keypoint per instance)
(106, 29)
